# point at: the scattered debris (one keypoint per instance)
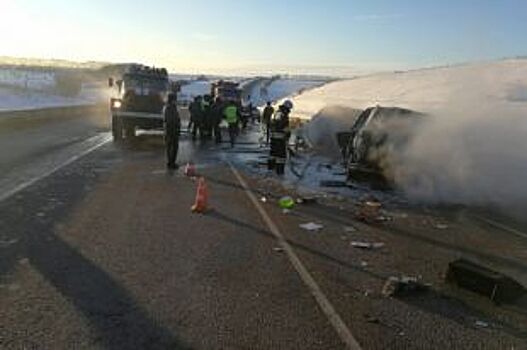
(286, 211)
(190, 170)
(7, 243)
(41, 214)
(364, 264)
(441, 226)
(369, 211)
(481, 324)
(311, 226)
(367, 245)
(403, 286)
(374, 320)
(286, 202)
(263, 199)
(350, 229)
(278, 249)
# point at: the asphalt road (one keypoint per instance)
(104, 253)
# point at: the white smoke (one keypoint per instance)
(467, 157)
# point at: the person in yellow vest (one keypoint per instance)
(231, 114)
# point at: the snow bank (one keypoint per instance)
(473, 150)
(11, 100)
(274, 89)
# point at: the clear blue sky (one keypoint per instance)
(228, 35)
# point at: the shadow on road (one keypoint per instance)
(116, 319)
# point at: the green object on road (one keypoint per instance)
(286, 203)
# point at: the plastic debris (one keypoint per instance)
(263, 199)
(350, 229)
(278, 249)
(403, 286)
(190, 170)
(367, 245)
(364, 264)
(481, 324)
(311, 226)
(286, 202)
(441, 226)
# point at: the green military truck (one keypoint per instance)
(141, 95)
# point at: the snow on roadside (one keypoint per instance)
(13, 100)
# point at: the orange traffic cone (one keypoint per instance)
(190, 170)
(202, 197)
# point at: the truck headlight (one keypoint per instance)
(116, 104)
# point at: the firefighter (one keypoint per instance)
(279, 137)
(172, 129)
(231, 113)
(267, 116)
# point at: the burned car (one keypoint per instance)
(377, 138)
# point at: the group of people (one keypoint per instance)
(206, 118)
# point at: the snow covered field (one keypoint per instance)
(11, 100)
(22, 89)
(472, 148)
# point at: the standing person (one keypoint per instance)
(195, 116)
(172, 129)
(217, 116)
(279, 137)
(206, 123)
(267, 116)
(232, 116)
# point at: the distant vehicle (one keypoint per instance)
(142, 95)
(376, 136)
(227, 91)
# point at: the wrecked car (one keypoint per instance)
(377, 138)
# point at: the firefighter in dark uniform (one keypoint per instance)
(279, 137)
(172, 128)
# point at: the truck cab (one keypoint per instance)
(141, 95)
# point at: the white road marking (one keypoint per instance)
(99, 140)
(334, 318)
(502, 226)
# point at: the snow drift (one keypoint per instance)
(473, 149)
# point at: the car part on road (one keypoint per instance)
(482, 280)
(403, 287)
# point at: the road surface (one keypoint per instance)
(103, 252)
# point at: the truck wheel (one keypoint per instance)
(129, 131)
(117, 129)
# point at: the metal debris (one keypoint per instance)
(403, 286)
(367, 245)
(311, 226)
